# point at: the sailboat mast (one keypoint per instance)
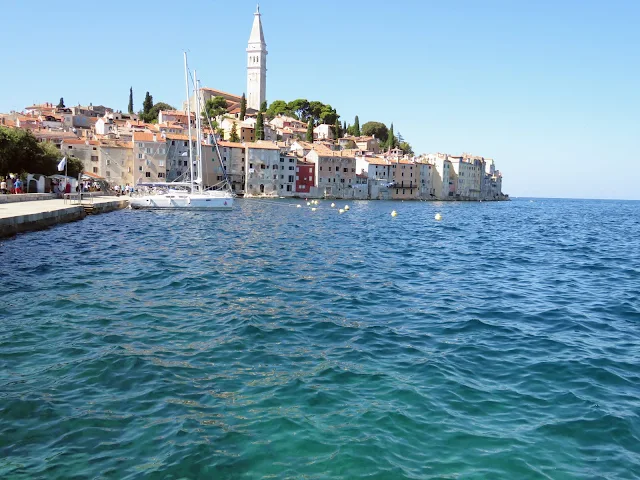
(186, 81)
(198, 133)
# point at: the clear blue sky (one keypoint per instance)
(549, 89)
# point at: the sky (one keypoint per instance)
(549, 89)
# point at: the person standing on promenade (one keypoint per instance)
(3, 186)
(18, 185)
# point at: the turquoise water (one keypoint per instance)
(276, 342)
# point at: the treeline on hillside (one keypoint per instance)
(20, 152)
(314, 113)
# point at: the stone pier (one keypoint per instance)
(25, 216)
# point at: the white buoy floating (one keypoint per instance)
(394, 214)
(313, 209)
(333, 205)
(308, 204)
(438, 217)
(346, 207)
(298, 206)
(341, 210)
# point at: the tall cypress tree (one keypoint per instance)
(259, 127)
(344, 127)
(309, 137)
(61, 103)
(356, 127)
(131, 100)
(263, 106)
(243, 107)
(391, 140)
(338, 129)
(233, 137)
(147, 105)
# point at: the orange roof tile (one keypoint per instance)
(263, 145)
(145, 137)
(230, 144)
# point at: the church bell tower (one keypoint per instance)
(256, 64)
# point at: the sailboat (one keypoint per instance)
(187, 195)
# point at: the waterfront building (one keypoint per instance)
(426, 176)
(305, 178)
(177, 146)
(256, 64)
(116, 162)
(150, 157)
(262, 167)
(335, 173)
(406, 180)
(287, 175)
(233, 158)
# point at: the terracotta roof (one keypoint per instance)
(263, 145)
(176, 136)
(145, 137)
(78, 141)
(230, 144)
(239, 97)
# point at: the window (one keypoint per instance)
(148, 175)
(160, 175)
(329, 168)
(140, 145)
(161, 163)
(320, 168)
(292, 168)
(275, 177)
(281, 160)
(140, 156)
(140, 168)
(94, 158)
(251, 165)
(173, 142)
(185, 144)
(291, 178)
(186, 163)
(70, 147)
(281, 177)
(297, 169)
(346, 170)
(291, 160)
(289, 188)
(95, 169)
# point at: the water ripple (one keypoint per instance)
(502, 342)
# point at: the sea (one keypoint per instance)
(277, 342)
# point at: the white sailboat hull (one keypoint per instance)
(183, 201)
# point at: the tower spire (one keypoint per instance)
(256, 63)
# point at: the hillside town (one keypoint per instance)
(261, 153)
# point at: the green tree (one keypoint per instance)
(233, 137)
(278, 107)
(147, 105)
(154, 112)
(356, 127)
(21, 153)
(263, 106)
(337, 129)
(406, 148)
(243, 107)
(375, 128)
(130, 100)
(391, 138)
(300, 108)
(61, 103)
(215, 106)
(344, 127)
(259, 127)
(75, 166)
(309, 136)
